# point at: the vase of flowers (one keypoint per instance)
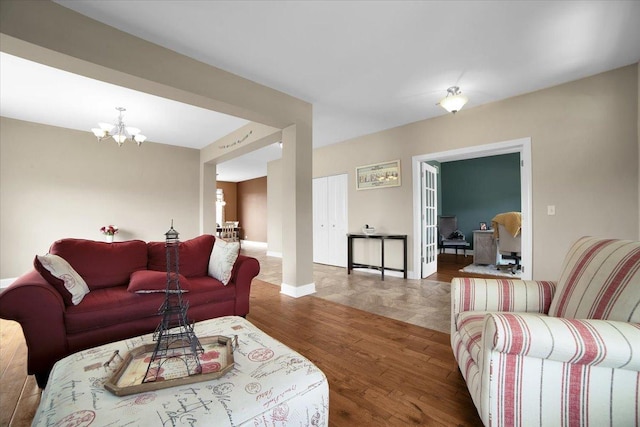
(109, 231)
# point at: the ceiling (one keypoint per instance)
(365, 66)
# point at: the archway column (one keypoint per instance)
(208, 187)
(297, 239)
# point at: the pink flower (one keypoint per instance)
(109, 230)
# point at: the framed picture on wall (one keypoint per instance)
(483, 226)
(379, 175)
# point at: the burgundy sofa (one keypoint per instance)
(54, 328)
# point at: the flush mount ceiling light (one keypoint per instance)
(454, 100)
(119, 132)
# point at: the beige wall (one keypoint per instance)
(247, 203)
(584, 137)
(57, 183)
(274, 208)
(230, 190)
(252, 209)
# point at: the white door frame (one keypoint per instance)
(522, 146)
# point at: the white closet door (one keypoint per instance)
(320, 222)
(337, 188)
(330, 220)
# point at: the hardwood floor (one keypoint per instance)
(381, 371)
(19, 393)
(449, 266)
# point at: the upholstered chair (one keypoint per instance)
(565, 353)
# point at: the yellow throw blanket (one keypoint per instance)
(512, 221)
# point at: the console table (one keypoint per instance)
(381, 237)
(270, 384)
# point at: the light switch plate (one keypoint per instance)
(551, 210)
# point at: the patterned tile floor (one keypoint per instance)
(425, 303)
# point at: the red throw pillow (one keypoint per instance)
(147, 281)
(194, 256)
(156, 256)
(101, 264)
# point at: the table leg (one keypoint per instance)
(349, 254)
(405, 257)
(382, 263)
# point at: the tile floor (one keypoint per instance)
(424, 303)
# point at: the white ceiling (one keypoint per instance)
(30, 91)
(365, 66)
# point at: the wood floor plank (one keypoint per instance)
(11, 338)
(13, 371)
(27, 405)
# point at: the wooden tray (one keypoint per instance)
(216, 361)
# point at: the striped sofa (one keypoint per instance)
(566, 353)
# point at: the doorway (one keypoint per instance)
(521, 146)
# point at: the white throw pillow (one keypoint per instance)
(61, 269)
(223, 257)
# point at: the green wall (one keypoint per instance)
(476, 190)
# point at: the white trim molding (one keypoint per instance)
(298, 291)
(274, 254)
(522, 146)
(389, 273)
(261, 245)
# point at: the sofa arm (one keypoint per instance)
(244, 270)
(39, 308)
(603, 343)
(527, 296)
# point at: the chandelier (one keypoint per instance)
(454, 100)
(119, 132)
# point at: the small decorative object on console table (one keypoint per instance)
(368, 230)
(109, 231)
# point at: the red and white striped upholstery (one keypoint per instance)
(568, 368)
(600, 280)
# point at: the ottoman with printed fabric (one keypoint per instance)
(269, 385)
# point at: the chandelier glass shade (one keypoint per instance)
(119, 132)
(454, 100)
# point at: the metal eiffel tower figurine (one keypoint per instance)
(176, 343)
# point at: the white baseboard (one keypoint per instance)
(4, 283)
(413, 275)
(379, 273)
(262, 245)
(274, 254)
(298, 291)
